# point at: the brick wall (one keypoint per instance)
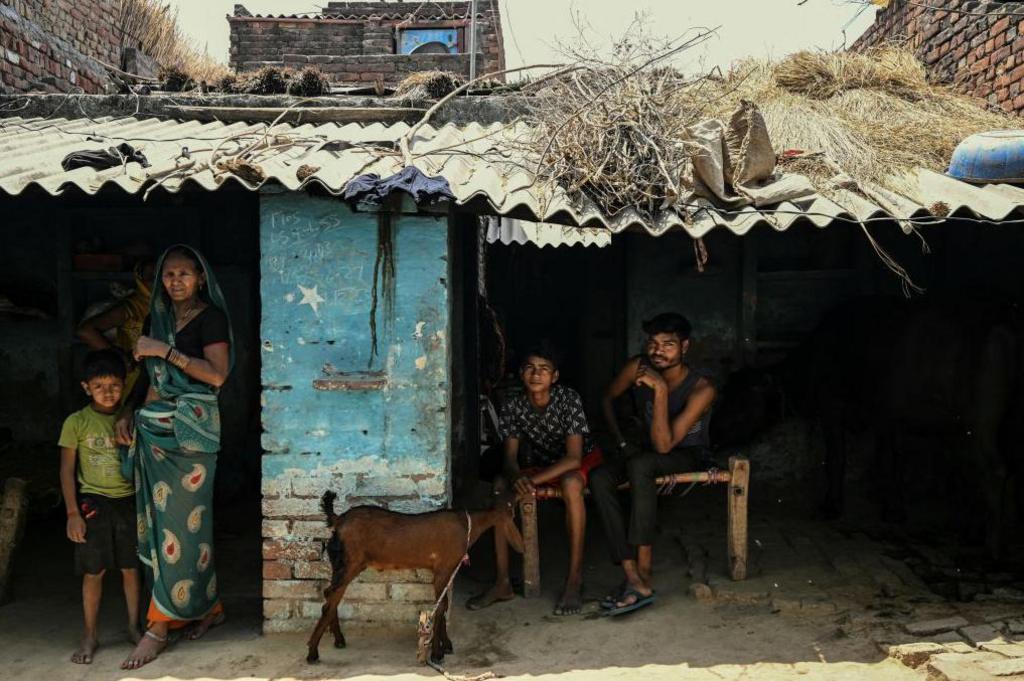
(347, 32)
(980, 55)
(387, 67)
(50, 45)
(296, 569)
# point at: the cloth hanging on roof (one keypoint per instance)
(101, 159)
(370, 188)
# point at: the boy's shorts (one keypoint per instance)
(110, 536)
(590, 461)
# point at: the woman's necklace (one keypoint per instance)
(188, 315)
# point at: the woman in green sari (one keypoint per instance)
(172, 426)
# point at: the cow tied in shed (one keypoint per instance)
(945, 374)
(371, 537)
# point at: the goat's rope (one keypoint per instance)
(465, 559)
(437, 604)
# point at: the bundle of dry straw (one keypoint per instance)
(619, 135)
(874, 115)
(152, 27)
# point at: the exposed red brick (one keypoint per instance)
(277, 569)
(275, 549)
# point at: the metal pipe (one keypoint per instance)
(472, 40)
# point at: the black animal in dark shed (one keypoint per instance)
(946, 371)
(368, 536)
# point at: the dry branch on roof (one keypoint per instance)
(616, 131)
(623, 138)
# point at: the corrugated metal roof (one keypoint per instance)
(479, 162)
(509, 231)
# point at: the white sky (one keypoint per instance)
(748, 27)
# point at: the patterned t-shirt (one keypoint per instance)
(546, 429)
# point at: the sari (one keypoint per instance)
(136, 307)
(173, 458)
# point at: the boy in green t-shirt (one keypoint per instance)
(101, 507)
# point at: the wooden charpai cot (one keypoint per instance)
(737, 478)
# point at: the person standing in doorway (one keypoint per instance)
(172, 424)
(676, 404)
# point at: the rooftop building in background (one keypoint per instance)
(367, 42)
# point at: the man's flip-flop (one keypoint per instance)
(485, 600)
(611, 599)
(640, 602)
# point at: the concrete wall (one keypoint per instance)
(982, 55)
(380, 434)
(662, 277)
(355, 42)
(29, 376)
(52, 45)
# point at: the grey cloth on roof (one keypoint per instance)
(101, 159)
(370, 188)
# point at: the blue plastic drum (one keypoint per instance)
(996, 156)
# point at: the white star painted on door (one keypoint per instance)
(312, 298)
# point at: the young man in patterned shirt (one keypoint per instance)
(550, 419)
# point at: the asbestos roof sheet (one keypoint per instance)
(426, 15)
(481, 163)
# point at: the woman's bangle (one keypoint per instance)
(167, 357)
(178, 359)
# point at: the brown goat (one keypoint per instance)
(367, 536)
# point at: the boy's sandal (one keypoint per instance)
(640, 602)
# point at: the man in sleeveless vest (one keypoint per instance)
(676, 404)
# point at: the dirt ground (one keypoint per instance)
(821, 602)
